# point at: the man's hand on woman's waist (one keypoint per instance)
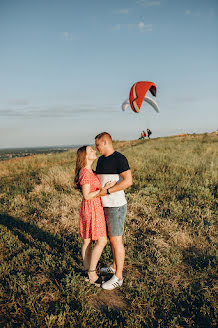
(125, 183)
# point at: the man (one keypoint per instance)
(149, 133)
(113, 166)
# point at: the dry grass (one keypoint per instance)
(170, 239)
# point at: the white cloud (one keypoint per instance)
(196, 13)
(145, 27)
(147, 3)
(19, 102)
(141, 26)
(56, 111)
(67, 36)
(124, 11)
(187, 99)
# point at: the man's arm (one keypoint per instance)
(125, 183)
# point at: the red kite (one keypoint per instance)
(138, 93)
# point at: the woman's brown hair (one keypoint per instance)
(80, 163)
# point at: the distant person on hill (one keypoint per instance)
(149, 133)
(143, 135)
(92, 220)
(113, 166)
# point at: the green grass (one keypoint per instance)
(170, 241)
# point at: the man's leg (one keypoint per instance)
(119, 254)
(114, 261)
(115, 217)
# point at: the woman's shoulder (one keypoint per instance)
(85, 176)
(85, 171)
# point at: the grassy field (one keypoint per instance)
(170, 240)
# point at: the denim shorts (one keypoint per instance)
(115, 218)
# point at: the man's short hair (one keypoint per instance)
(103, 135)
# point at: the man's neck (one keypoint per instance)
(109, 152)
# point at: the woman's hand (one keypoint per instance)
(109, 184)
(87, 195)
(102, 192)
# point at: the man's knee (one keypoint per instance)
(116, 241)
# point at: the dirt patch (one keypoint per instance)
(113, 299)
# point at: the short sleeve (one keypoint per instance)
(84, 177)
(123, 164)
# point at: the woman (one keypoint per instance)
(92, 221)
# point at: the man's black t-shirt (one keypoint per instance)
(109, 169)
(116, 163)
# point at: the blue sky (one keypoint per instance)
(66, 67)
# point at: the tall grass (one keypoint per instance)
(170, 241)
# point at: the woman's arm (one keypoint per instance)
(90, 195)
(125, 183)
(87, 194)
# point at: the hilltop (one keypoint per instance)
(170, 240)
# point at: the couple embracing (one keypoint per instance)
(103, 209)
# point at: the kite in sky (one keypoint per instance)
(138, 94)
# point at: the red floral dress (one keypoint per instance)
(92, 220)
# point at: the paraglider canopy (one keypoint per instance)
(138, 92)
(147, 99)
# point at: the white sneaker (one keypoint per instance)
(108, 270)
(112, 283)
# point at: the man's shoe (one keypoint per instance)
(114, 282)
(110, 269)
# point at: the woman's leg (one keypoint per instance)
(95, 256)
(86, 252)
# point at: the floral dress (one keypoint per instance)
(92, 220)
